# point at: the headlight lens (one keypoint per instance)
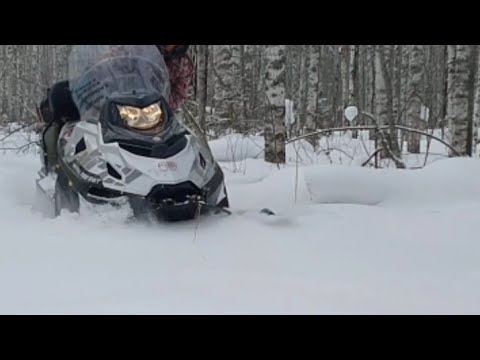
(141, 119)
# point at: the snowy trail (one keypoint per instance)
(316, 259)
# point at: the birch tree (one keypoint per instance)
(384, 102)
(414, 97)
(202, 84)
(274, 132)
(458, 98)
(476, 111)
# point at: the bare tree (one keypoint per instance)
(314, 82)
(345, 73)
(304, 84)
(274, 133)
(384, 102)
(458, 98)
(414, 97)
(476, 111)
(353, 90)
(202, 83)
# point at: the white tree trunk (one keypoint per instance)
(243, 91)
(353, 95)
(202, 84)
(381, 108)
(353, 66)
(415, 96)
(3, 82)
(384, 102)
(373, 74)
(304, 84)
(397, 63)
(228, 81)
(313, 85)
(345, 73)
(275, 134)
(458, 99)
(312, 78)
(476, 109)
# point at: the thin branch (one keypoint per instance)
(330, 130)
(379, 128)
(372, 156)
(19, 148)
(14, 131)
(330, 149)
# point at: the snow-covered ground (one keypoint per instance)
(347, 240)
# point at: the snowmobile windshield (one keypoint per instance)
(99, 73)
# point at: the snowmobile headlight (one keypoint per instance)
(141, 119)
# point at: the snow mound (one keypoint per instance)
(445, 181)
(414, 253)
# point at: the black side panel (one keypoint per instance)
(92, 186)
(81, 146)
(215, 183)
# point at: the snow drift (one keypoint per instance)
(415, 252)
(445, 181)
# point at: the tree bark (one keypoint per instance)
(274, 133)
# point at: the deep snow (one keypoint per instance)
(356, 241)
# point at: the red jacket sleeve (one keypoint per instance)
(181, 72)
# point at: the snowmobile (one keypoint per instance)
(119, 142)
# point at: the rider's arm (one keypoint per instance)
(181, 71)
